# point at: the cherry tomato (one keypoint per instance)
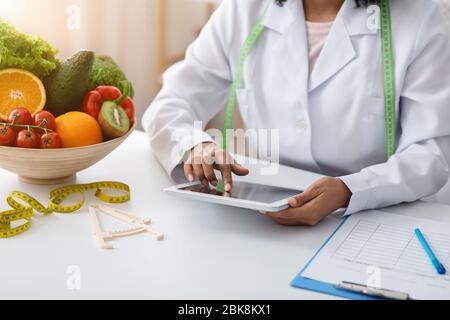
(109, 93)
(44, 119)
(28, 139)
(7, 136)
(128, 106)
(92, 103)
(51, 140)
(20, 116)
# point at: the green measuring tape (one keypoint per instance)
(24, 210)
(388, 67)
(253, 37)
(389, 77)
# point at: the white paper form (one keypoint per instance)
(380, 249)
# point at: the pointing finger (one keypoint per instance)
(225, 169)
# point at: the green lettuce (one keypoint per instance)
(22, 51)
(107, 72)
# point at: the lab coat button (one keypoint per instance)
(302, 124)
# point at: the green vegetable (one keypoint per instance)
(68, 84)
(106, 72)
(22, 51)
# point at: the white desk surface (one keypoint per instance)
(210, 251)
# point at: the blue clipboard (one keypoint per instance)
(323, 287)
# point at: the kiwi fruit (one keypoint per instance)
(113, 120)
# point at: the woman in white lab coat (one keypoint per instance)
(323, 90)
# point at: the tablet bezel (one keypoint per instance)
(240, 203)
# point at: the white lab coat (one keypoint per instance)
(331, 121)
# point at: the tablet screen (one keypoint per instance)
(248, 191)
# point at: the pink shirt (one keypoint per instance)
(317, 36)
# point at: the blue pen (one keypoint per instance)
(434, 260)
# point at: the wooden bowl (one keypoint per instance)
(56, 166)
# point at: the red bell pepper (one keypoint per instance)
(93, 100)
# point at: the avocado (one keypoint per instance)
(68, 84)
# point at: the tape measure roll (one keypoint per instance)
(23, 205)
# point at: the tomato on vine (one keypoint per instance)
(20, 116)
(45, 120)
(7, 136)
(51, 140)
(27, 138)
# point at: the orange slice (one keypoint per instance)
(20, 88)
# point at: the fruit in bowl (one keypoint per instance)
(19, 88)
(52, 151)
(43, 149)
(57, 118)
(78, 129)
(54, 166)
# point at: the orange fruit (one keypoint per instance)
(20, 88)
(78, 129)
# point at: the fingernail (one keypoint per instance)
(190, 178)
(228, 187)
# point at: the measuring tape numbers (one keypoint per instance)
(24, 206)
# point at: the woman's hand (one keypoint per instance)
(317, 202)
(206, 157)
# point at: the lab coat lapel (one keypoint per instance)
(290, 51)
(336, 54)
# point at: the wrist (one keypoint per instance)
(346, 193)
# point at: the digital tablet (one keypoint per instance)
(244, 195)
